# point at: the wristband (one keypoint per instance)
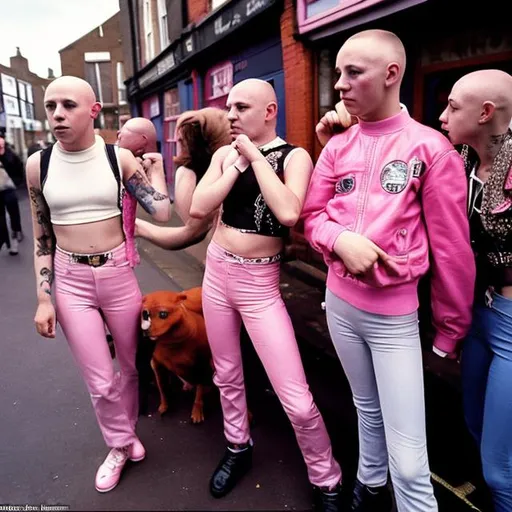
(440, 353)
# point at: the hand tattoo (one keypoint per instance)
(144, 192)
(46, 242)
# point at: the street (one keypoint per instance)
(51, 446)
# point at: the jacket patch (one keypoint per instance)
(394, 177)
(346, 185)
(417, 167)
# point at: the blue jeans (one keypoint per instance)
(487, 394)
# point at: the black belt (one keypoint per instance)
(93, 260)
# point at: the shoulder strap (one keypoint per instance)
(112, 158)
(44, 164)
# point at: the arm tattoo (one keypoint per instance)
(47, 277)
(46, 242)
(144, 192)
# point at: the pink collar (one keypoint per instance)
(391, 124)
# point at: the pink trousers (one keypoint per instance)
(236, 291)
(81, 291)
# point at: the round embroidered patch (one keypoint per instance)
(394, 176)
(346, 185)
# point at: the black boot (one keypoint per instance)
(371, 499)
(328, 500)
(231, 468)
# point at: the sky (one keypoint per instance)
(43, 27)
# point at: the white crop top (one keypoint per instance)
(80, 186)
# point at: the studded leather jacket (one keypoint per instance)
(490, 213)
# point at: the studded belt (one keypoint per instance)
(255, 261)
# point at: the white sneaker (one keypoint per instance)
(14, 246)
(109, 473)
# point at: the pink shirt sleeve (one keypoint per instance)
(444, 196)
(320, 229)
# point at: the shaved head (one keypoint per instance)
(72, 86)
(487, 85)
(382, 47)
(257, 89)
(371, 65)
(71, 109)
(252, 110)
(479, 108)
(138, 135)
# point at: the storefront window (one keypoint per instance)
(314, 7)
(218, 83)
(171, 114)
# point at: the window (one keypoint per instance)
(11, 106)
(22, 90)
(171, 114)
(9, 85)
(163, 24)
(121, 87)
(314, 7)
(148, 31)
(99, 75)
(219, 81)
(27, 110)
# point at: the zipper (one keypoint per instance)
(366, 182)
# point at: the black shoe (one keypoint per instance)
(230, 470)
(371, 499)
(328, 500)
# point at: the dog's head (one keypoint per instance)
(161, 311)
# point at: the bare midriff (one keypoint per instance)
(247, 245)
(90, 238)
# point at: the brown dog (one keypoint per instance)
(174, 321)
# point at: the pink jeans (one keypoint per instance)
(81, 291)
(235, 291)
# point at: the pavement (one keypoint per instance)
(51, 446)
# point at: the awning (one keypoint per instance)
(343, 18)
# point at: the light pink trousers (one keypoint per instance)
(81, 291)
(234, 291)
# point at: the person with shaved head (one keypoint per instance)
(478, 115)
(82, 238)
(385, 204)
(259, 182)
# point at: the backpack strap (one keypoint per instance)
(112, 158)
(44, 164)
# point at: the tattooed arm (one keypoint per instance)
(147, 183)
(44, 246)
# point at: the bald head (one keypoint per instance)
(371, 65)
(71, 109)
(487, 86)
(252, 110)
(479, 109)
(379, 47)
(256, 89)
(138, 135)
(72, 86)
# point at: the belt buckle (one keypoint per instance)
(95, 260)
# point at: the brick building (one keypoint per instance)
(188, 54)
(22, 115)
(98, 58)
